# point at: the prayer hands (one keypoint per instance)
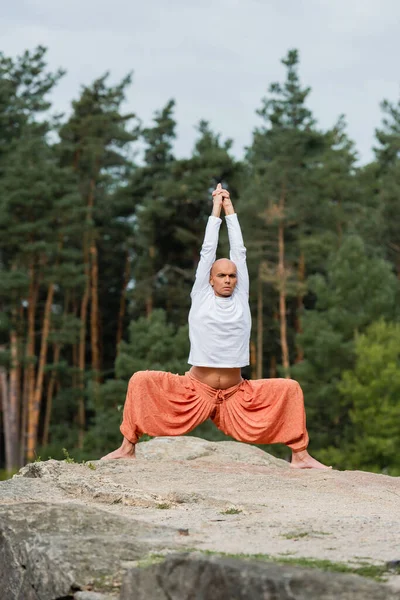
(221, 198)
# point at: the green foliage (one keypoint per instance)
(355, 289)
(80, 214)
(372, 390)
(231, 511)
(387, 181)
(364, 569)
(4, 474)
(67, 457)
(153, 344)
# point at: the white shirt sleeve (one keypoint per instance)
(207, 255)
(238, 253)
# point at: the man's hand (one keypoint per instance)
(221, 198)
(217, 201)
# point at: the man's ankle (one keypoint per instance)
(127, 445)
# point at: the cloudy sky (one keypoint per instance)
(218, 57)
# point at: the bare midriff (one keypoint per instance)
(220, 379)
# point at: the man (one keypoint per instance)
(265, 411)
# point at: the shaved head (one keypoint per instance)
(223, 277)
(223, 265)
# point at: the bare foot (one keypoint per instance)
(126, 450)
(302, 460)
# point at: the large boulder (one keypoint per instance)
(188, 577)
(193, 448)
(49, 552)
(71, 530)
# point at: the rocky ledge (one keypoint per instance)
(193, 519)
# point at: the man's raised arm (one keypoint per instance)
(237, 247)
(209, 248)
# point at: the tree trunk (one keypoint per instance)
(49, 396)
(53, 378)
(24, 417)
(82, 349)
(5, 402)
(14, 399)
(300, 296)
(75, 348)
(29, 375)
(260, 325)
(34, 412)
(282, 293)
(94, 291)
(272, 367)
(94, 312)
(122, 304)
(253, 360)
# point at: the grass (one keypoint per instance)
(70, 460)
(67, 457)
(151, 559)
(295, 535)
(163, 506)
(4, 474)
(231, 511)
(376, 572)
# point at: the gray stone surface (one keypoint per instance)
(193, 448)
(188, 577)
(93, 596)
(66, 528)
(49, 551)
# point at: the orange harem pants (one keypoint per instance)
(263, 411)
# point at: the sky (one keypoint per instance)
(217, 58)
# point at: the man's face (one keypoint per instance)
(223, 277)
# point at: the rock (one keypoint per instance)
(51, 551)
(193, 448)
(69, 528)
(184, 577)
(92, 596)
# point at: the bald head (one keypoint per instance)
(223, 277)
(223, 265)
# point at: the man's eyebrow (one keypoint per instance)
(220, 273)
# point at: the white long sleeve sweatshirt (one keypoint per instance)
(219, 328)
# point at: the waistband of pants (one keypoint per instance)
(216, 394)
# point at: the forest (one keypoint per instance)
(100, 231)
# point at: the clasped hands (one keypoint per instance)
(221, 198)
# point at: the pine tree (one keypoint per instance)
(282, 161)
(27, 174)
(372, 390)
(388, 181)
(173, 201)
(152, 211)
(94, 144)
(355, 291)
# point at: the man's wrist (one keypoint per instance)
(229, 210)
(216, 211)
